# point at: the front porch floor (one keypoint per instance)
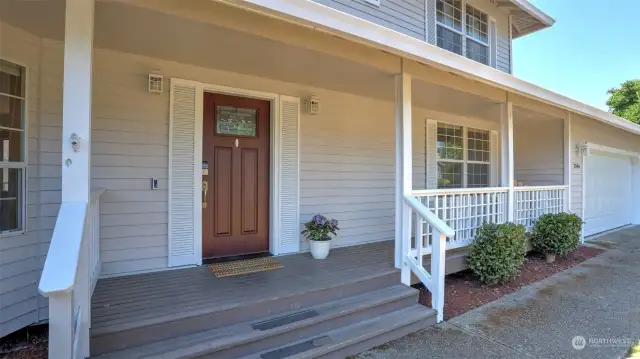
(124, 302)
(306, 306)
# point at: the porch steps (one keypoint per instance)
(349, 323)
(163, 320)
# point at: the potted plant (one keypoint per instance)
(317, 231)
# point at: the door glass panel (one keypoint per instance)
(236, 121)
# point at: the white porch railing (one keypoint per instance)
(530, 203)
(69, 277)
(413, 252)
(464, 210)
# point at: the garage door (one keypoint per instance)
(608, 196)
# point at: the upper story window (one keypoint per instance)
(12, 150)
(463, 31)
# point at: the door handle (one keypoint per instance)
(205, 189)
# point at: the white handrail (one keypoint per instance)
(453, 191)
(68, 279)
(428, 216)
(61, 264)
(412, 258)
(538, 188)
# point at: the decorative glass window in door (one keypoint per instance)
(236, 121)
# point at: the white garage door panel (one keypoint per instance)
(608, 197)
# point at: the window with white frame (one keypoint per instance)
(462, 163)
(12, 152)
(462, 32)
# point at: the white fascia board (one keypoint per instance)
(530, 9)
(323, 18)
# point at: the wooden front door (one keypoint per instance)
(235, 175)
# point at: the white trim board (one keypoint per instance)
(612, 150)
(325, 19)
(275, 159)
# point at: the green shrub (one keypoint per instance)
(497, 252)
(557, 233)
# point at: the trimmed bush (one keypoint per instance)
(497, 252)
(557, 233)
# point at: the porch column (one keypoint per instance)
(76, 102)
(568, 162)
(507, 161)
(76, 160)
(404, 168)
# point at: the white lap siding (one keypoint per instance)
(346, 157)
(21, 257)
(539, 156)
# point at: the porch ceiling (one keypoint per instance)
(143, 31)
(130, 29)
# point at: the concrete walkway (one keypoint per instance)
(598, 300)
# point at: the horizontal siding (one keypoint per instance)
(539, 153)
(405, 16)
(20, 266)
(130, 134)
(347, 168)
(503, 52)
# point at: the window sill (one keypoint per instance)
(9, 234)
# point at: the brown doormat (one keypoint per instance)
(244, 266)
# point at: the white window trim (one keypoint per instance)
(25, 150)
(465, 148)
(463, 33)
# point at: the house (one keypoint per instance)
(143, 137)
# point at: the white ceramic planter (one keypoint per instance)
(320, 249)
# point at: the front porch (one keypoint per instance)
(343, 162)
(308, 308)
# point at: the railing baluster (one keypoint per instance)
(419, 239)
(438, 258)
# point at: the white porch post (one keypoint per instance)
(568, 162)
(404, 170)
(507, 161)
(76, 160)
(76, 103)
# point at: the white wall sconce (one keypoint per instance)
(156, 83)
(313, 105)
(582, 150)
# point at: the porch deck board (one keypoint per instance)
(130, 299)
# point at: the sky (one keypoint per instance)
(593, 46)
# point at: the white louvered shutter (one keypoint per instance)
(493, 44)
(494, 180)
(289, 175)
(432, 155)
(182, 188)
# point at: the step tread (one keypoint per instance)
(343, 337)
(204, 308)
(229, 336)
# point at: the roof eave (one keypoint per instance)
(538, 14)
